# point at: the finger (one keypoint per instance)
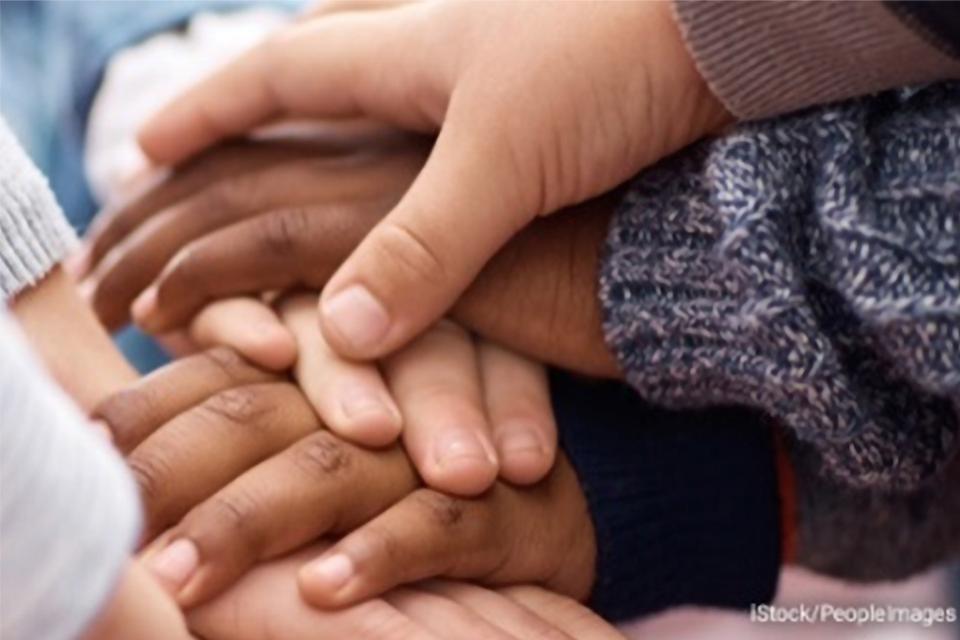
(538, 534)
(265, 604)
(440, 615)
(538, 296)
(135, 261)
(436, 383)
(118, 221)
(135, 412)
(320, 484)
(250, 327)
(496, 609)
(500, 538)
(353, 63)
(416, 262)
(188, 460)
(517, 398)
(565, 613)
(273, 251)
(350, 397)
(425, 535)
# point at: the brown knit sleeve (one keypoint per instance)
(768, 58)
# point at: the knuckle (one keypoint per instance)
(151, 474)
(283, 231)
(405, 249)
(235, 514)
(443, 510)
(382, 544)
(240, 405)
(321, 455)
(227, 362)
(126, 411)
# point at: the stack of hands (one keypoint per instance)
(264, 442)
(401, 429)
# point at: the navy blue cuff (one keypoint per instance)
(685, 504)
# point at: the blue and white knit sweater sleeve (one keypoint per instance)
(808, 266)
(69, 513)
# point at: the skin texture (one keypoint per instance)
(66, 335)
(500, 159)
(283, 214)
(265, 605)
(257, 498)
(297, 209)
(139, 609)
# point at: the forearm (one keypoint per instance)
(768, 58)
(70, 340)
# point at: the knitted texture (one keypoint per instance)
(768, 58)
(34, 235)
(684, 504)
(808, 266)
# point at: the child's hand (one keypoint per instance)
(538, 106)
(467, 409)
(271, 215)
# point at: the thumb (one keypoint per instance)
(411, 268)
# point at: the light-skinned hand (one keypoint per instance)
(265, 605)
(537, 106)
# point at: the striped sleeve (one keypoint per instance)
(769, 58)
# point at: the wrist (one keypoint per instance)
(70, 341)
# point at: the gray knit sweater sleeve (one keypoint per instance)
(34, 234)
(808, 266)
(68, 508)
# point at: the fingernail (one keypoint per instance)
(330, 573)
(357, 317)
(359, 402)
(455, 446)
(176, 563)
(520, 440)
(86, 289)
(145, 304)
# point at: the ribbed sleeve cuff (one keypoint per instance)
(767, 58)
(34, 234)
(684, 504)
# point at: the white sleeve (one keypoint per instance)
(142, 78)
(69, 513)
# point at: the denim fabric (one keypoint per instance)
(52, 58)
